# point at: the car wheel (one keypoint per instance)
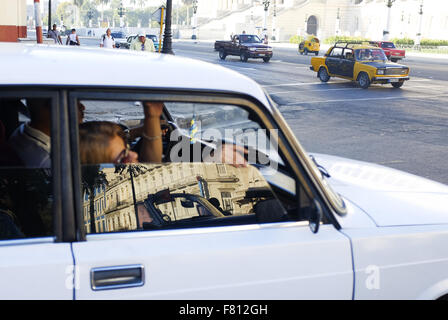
(305, 51)
(323, 75)
(398, 84)
(266, 59)
(316, 53)
(244, 57)
(363, 80)
(222, 54)
(394, 60)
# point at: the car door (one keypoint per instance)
(195, 256)
(35, 253)
(334, 61)
(348, 63)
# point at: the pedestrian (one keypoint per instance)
(141, 44)
(55, 35)
(266, 40)
(73, 39)
(107, 41)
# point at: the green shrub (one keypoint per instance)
(403, 41)
(295, 39)
(433, 43)
(332, 40)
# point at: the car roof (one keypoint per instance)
(33, 64)
(356, 46)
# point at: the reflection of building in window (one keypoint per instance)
(227, 201)
(221, 169)
(223, 182)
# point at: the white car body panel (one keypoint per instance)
(400, 262)
(31, 64)
(36, 269)
(390, 197)
(271, 261)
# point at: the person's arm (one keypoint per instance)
(68, 37)
(60, 39)
(152, 148)
(77, 40)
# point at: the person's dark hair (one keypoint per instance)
(38, 108)
(73, 30)
(214, 202)
(94, 139)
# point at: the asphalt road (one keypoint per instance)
(405, 128)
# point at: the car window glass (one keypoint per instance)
(336, 52)
(26, 194)
(348, 54)
(175, 195)
(185, 190)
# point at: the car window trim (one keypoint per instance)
(57, 212)
(269, 117)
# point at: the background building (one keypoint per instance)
(324, 18)
(12, 20)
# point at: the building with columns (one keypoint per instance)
(324, 18)
(12, 20)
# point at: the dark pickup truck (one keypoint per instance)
(245, 46)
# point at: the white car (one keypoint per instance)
(281, 225)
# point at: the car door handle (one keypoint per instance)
(119, 277)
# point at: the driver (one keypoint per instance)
(105, 142)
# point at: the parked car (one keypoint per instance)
(359, 62)
(245, 46)
(127, 43)
(310, 45)
(300, 226)
(392, 53)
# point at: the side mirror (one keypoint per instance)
(315, 217)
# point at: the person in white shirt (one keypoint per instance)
(73, 39)
(107, 41)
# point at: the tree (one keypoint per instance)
(92, 179)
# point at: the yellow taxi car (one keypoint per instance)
(311, 44)
(359, 62)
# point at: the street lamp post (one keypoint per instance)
(338, 22)
(195, 9)
(274, 22)
(49, 15)
(420, 25)
(121, 12)
(389, 9)
(167, 38)
(90, 16)
(265, 22)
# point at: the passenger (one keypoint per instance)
(105, 142)
(31, 141)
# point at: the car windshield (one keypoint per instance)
(152, 37)
(388, 45)
(117, 35)
(370, 55)
(249, 39)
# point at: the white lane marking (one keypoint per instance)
(366, 99)
(346, 89)
(293, 84)
(324, 90)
